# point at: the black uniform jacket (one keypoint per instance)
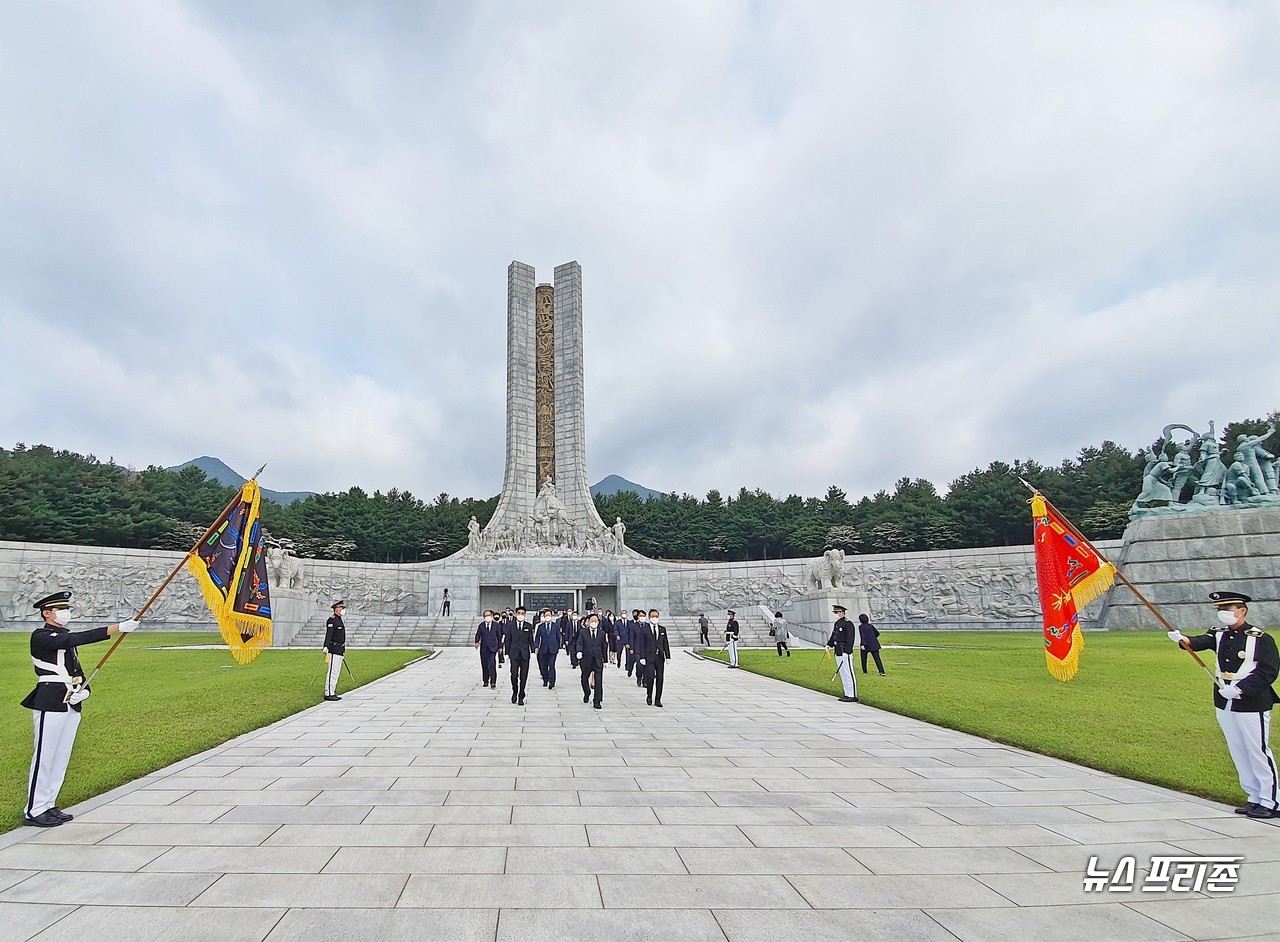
(592, 656)
(844, 637)
(1256, 693)
(335, 635)
(732, 630)
(518, 641)
(58, 646)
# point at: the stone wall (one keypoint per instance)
(111, 583)
(974, 589)
(1177, 560)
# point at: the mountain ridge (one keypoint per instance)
(217, 470)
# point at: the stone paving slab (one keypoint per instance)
(424, 807)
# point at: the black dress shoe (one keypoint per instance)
(586, 697)
(1261, 813)
(1245, 809)
(658, 705)
(513, 698)
(848, 699)
(59, 813)
(552, 686)
(649, 700)
(599, 707)
(522, 701)
(332, 697)
(46, 819)
(544, 683)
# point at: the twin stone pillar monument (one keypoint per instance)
(546, 544)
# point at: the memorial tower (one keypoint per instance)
(546, 506)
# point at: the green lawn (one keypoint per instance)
(151, 707)
(1139, 707)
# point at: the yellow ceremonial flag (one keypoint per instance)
(230, 566)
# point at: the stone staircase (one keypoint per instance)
(426, 631)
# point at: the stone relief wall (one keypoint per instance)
(112, 583)
(958, 589)
(975, 588)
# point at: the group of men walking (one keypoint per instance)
(592, 641)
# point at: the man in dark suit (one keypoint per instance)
(623, 627)
(505, 621)
(592, 649)
(567, 631)
(518, 643)
(654, 652)
(488, 641)
(546, 645)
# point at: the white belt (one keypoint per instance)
(57, 674)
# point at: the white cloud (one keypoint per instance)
(820, 243)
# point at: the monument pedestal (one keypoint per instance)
(811, 618)
(290, 610)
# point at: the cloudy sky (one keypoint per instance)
(821, 242)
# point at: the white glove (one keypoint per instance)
(1230, 692)
(325, 650)
(127, 626)
(1176, 636)
(82, 694)
(641, 662)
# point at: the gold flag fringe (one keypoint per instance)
(1095, 585)
(233, 626)
(1067, 668)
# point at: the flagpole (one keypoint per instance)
(174, 574)
(1121, 576)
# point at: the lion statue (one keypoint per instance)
(828, 572)
(284, 567)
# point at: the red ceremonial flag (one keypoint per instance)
(1070, 575)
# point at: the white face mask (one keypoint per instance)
(488, 619)
(62, 616)
(644, 618)
(1226, 617)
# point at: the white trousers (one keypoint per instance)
(846, 675)
(733, 652)
(1248, 738)
(333, 675)
(55, 734)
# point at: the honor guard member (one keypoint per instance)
(488, 641)
(655, 649)
(55, 703)
(335, 645)
(844, 640)
(518, 642)
(1248, 665)
(731, 634)
(546, 645)
(592, 653)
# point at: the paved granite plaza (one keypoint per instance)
(424, 807)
